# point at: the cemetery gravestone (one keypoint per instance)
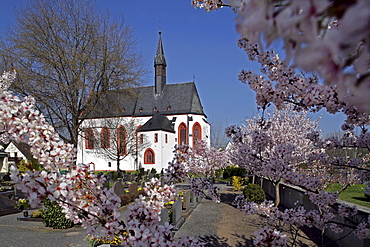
(176, 212)
(187, 197)
(164, 216)
(132, 188)
(118, 188)
(109, 176)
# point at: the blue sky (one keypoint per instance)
(197, 45)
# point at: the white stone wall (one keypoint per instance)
(163, 151)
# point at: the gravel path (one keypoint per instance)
(223, 225)
(14, 233)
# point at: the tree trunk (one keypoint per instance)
(277, 193)
(118, 169)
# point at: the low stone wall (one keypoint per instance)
(290, 195)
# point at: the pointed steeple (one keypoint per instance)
(160, 67)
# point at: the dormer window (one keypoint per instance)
(168, 108)
(141, 109)
(155, 108)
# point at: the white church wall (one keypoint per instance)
(189, 120)
(96, 157)
(163, 151)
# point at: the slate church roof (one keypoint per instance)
(176, 99)
(158, 122)
(168, 99)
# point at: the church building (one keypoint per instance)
(139, 127)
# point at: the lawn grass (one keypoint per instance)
(353, 194)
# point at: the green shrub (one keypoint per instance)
(114, 176)
(141, 172)
(36, 214)
(254, 193)
(232, 171)
(54, 217)
(219, 173)
(32, 165)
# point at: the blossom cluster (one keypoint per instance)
(329, 38)
(289, 140)
(80, 194)
(269, 237)
(143, 219)
(21, 122)
(198, 165)
(78, 190)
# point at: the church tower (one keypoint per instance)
(160, 68)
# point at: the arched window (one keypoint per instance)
(121, 140)
(182, 134)
(105, 138)
(149, 157)
(89, 138)
(197, 134)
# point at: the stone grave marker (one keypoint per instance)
(118, 188)
(187, 196)
(109, 176)
(193, 199)
(106, 184)
(164, 216)
(176, 212)
(132, 188)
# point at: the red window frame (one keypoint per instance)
(197, 134)
(105, 138)
(149, 156)
(89, 138)
(182, 134)
(122, 140)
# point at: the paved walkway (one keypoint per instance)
(217, 224)
(14, 233)
(223, 225)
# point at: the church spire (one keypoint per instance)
(160, 67)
